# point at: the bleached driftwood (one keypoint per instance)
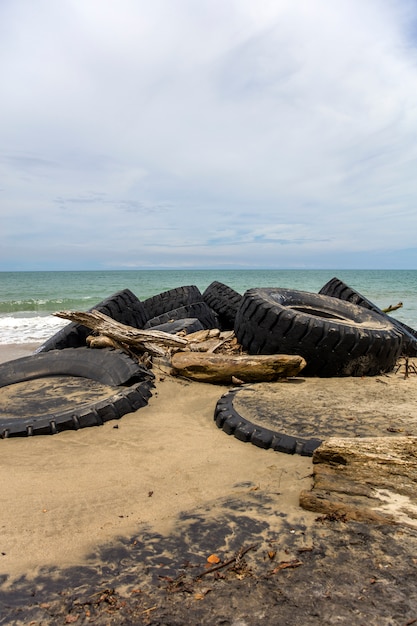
(222, 368)
(214, 341)
(372, 479)
(156, 342)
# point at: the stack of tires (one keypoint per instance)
(181, 308)
(178, 305)
(337, 331)
(122, 306)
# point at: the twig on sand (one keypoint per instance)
(409, 368)
(234, 560)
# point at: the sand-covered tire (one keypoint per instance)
(122, 306)
(171, 300)
(234, 423)
(199, 310)
(338, 289)
(225, 301)
(129, 385)
(336, 338)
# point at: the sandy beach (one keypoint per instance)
(70, 500)
(66, 494)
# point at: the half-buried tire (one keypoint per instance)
(108, 384)
(234, 423)
(336, 338)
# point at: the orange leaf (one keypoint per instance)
(213, 559)
(199, 596)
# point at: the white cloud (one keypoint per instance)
(183, 133)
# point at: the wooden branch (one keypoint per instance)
(392, 307)
(155, 342)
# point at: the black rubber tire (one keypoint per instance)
(232, 423)
(199, 310)
(109, 367)
(336, 338)
(188, 324)
(132, 383)
(336, 288)
(122, 306)
(171, 300)
(225, 301)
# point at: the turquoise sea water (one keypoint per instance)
(28, 299)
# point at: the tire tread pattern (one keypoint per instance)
(225, 301)
(266, 323)
(232, 423)
(336, 288)
(170, 300)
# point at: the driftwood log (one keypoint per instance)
(373, 479)
(223, 368)
(156, 342)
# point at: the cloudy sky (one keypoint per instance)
(208, 133)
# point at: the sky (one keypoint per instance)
(208, 134)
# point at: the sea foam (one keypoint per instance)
(34, 329)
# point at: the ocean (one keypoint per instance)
(29, 299)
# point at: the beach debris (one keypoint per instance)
(392, 307)
(236, 561)
(252, 415)
(286, 565)
(213, 559)
(70, 389)
(155, 342)
(408, 365)
(101, 341)
(336, 288)
(208, 355)
(221, 368)
(260, 322)
(337, 338)
(372, 479)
